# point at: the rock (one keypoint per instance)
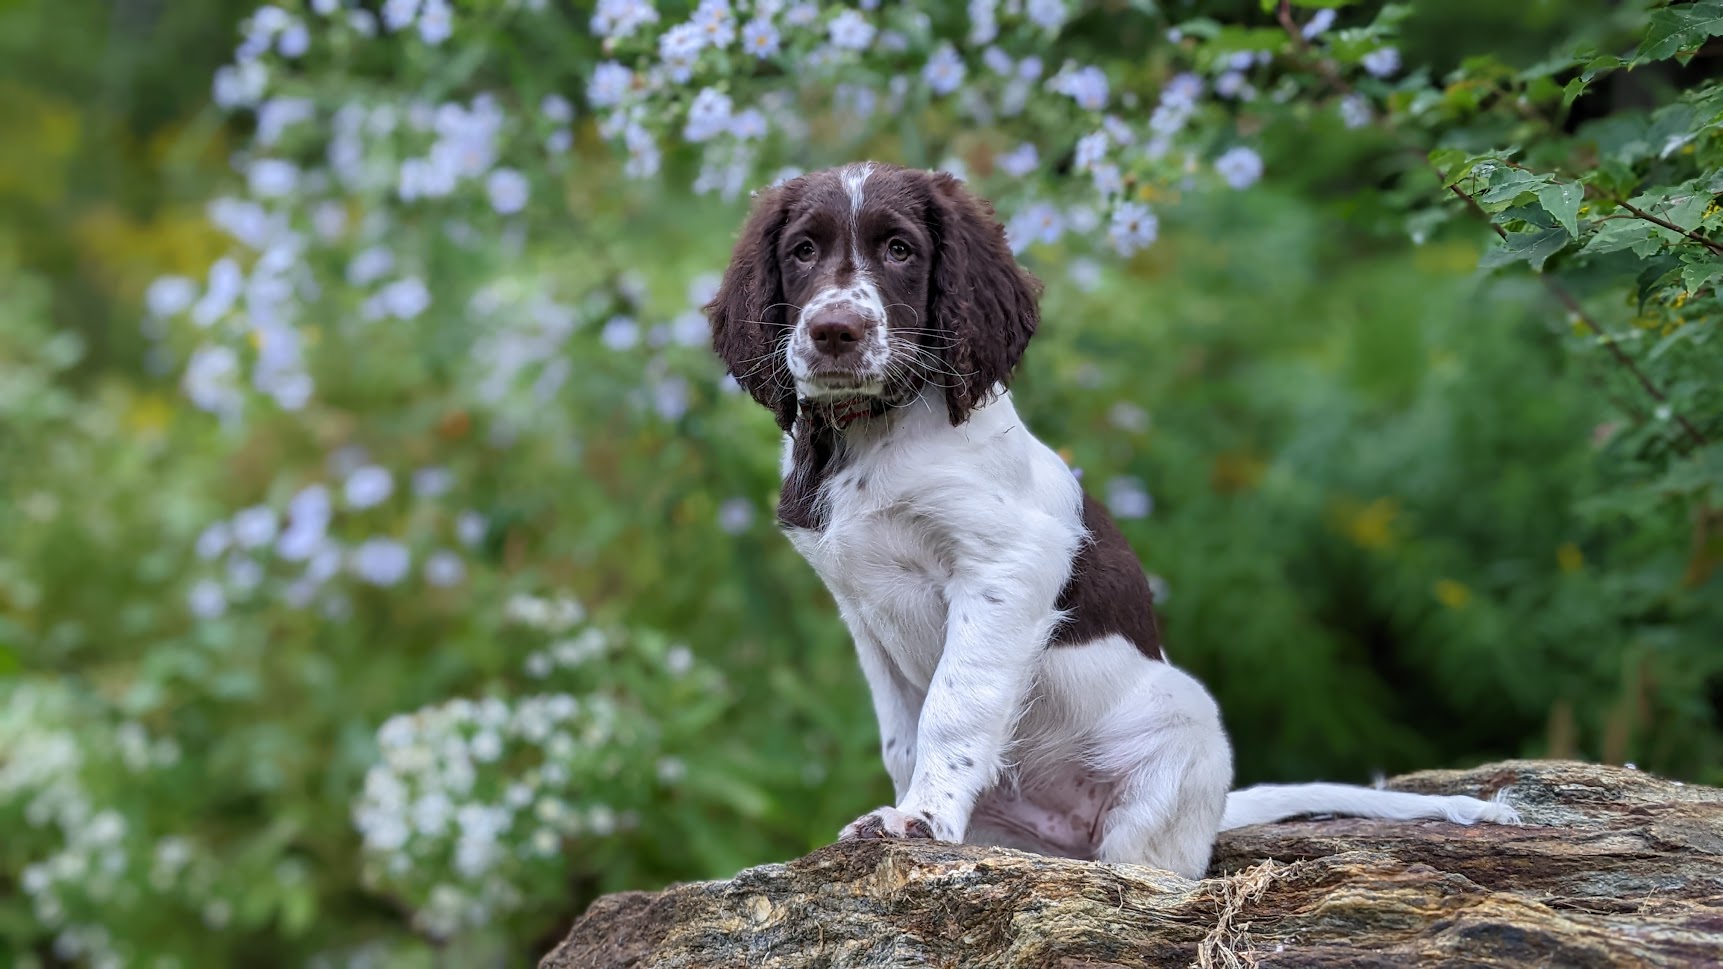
(1613, 867)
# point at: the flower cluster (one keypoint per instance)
(50, 749)
(301, 548)
(473, 802)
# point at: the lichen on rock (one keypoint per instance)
(1613, 867)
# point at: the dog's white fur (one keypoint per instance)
(946, 567)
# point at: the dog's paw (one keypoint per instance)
(886, 822)
(1470, 810)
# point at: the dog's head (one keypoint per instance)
(868, 283)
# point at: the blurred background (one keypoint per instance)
(387, 568)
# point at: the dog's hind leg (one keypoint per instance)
(1165, 746)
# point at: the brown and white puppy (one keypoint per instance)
(1005, 629)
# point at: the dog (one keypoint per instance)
(1004, 625)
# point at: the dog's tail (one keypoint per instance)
(1266, 803)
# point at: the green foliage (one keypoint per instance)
(407, 577)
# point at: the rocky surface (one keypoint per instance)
(1613, 867)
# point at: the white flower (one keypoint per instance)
(243, 574)
(748, 124)
(621, 18)
(670, 398)
(325, 562)
(1127, 498)
(206, 600)
(405, 298)
(170, 295)
(1382, 62)
(435, 22)
(1091, 150)
(609, 84)
(1183, 90)
(556, 108)
(944, 70)
(1085, 274)
(1319, 23)
(369, 265)
(209, 379)
(1239, 166)
(559, 141)
(272, 177)
(1108, 179)
(325, 7)
(294, 41)
(432, 482)
(983, 21)
(487, 746)
(671, 770)
(1133, 227)
(679, 660)
(444, 568)
(1087, 86)
(643, 154)
(254, 527)
(678, 47)
(760, 38)
(368, 486)
(716, 22)
(213, 540)
(381, 561)
(802, 15)
(470, 528)
(1020, 161)
(735, 515)
(397, 14)
(1230, 85)
(620, 333)
(707, 116)
(240, 85)
(1048, 14)
(508, 190)
(1354, 111)
(850, 30)
(226, 283)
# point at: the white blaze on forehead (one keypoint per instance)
(854, 177)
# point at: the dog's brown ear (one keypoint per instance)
(985, 304)
(749, 317)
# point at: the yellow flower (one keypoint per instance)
(149, 414)
(1372, 526)
(1452, 594)
(1569, 557)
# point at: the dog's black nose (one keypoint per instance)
(837, 332)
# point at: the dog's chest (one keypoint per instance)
(886, 560)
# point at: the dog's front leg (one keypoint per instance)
(894, 704)
(992, 641)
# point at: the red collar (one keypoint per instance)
(843, 411)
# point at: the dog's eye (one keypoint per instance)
(898, 250)
(803, 252)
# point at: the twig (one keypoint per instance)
(1711, 244)
(1636, 212)
(1568, 302)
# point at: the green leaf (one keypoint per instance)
(1562, 201)
(1618, 234)
(1678, 28)
(1699, 275)
(1533, 247)
(1508, 184)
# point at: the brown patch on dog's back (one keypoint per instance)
(1107, 594)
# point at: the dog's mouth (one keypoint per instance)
(832, 384)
